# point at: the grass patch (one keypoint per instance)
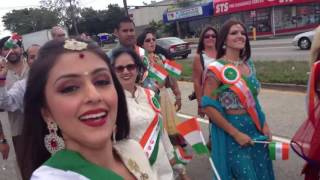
(288, 72)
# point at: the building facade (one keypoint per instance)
(269, 17)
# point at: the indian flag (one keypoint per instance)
(140, 51)
(191, 132)
(12, 41)
(173, 68)
(180, 156)
(151, 138)
(278, 150)
(157, 72)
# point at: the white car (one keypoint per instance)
(303, 40)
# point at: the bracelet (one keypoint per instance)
(3, 78)
(3, 141)
(178, 98)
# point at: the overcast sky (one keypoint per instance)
(95, 4)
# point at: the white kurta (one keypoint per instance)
(141, 114)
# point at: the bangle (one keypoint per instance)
(3, 141)
(178, 97)
(3, 78)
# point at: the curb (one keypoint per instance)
(274, 86)
(285, 87)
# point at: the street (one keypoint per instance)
(285, 112)
(272, 50)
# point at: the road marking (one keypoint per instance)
(284, 91)
(276, 47)
(206, 121)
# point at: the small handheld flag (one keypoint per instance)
(181, 157)
(191, 132)
(173, 68)
(12, 41)
(158, 72)
(278, 151)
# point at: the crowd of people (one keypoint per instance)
(77, 112)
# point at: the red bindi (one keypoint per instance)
(81, 55)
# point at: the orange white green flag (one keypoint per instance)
(157, 72)
(12, 41)
(278, 151)
(173, 68)
(181, 156)
(191, 132)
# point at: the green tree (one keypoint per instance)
(95, 22)
(29, 20)
(68, 10)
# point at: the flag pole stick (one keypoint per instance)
(214, 169)
(8, 55)
(210, 160)
(262, 142)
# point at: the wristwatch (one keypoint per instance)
(3, 141)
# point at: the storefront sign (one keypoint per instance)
(231, 6)
(185, 13)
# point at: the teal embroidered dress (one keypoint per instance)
(231, 160)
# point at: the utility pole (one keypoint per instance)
(125, 7)
(74, 22)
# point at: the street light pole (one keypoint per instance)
(125, 7)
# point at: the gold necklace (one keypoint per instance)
(235, 63)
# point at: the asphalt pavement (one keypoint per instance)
(285, 111)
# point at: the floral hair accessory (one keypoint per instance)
(75, 45)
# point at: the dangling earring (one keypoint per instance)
(224, 47)
(114, 132)
(52, 141)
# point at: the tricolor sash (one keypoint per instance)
(151, 137)
(72, 161)
(152, 101)
(231, 76)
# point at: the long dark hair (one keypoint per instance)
(35, 128)
(245, 53)
(143, 35)
(201, 43)
(136, 59)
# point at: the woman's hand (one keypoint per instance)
(201, 112)
(4, 149)
(178, 103)
(242, 139)
(3, 68)
(266, 131)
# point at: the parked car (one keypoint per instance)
(174, 47)
(303, 40)
(106, 38)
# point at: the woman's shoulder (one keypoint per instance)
(134, 158)
(49, 173)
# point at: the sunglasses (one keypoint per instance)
(210, 35)
(129, 67)
(149, 40)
